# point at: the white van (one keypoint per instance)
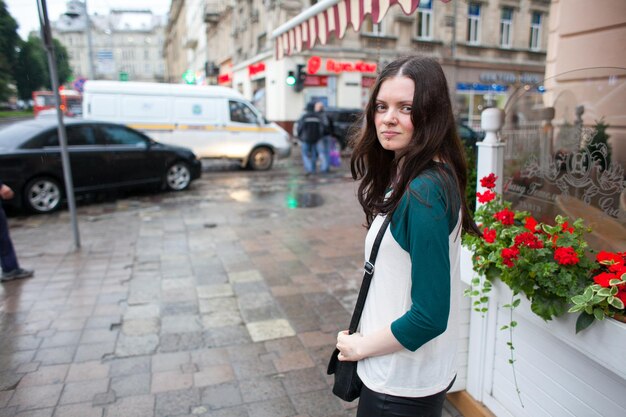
(215, 122)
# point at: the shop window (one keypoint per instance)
(506, 23)
(535, 31)
(473, 24)
(425, 20)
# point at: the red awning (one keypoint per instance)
(327, 17)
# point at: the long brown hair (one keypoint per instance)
(434, 136)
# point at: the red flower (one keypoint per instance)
(506, 217)
(567, 228)
(528, 239)
(486, 197)
(508, 255)
(489, 235)
(622, 296)
(489, 181)
(530, 223)
(603, 279)
(613, 261)
(566, 255)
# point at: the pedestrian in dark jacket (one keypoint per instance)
(10, 268)
(324, 145)
(310, 129)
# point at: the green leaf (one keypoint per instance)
(504, 327)
(584, 320)
(588, 294)
(615, 281)
(513, 323)
(484, 299)
(516, 302)
(613, 290)
(617, 303)
(578, 299)
(598, 313)
(604, 292)
(576, 309)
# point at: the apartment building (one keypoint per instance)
(125, 44)
(487, 48)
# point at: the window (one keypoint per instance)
(535, 31)
(81, 136)
(425, 20)
(146, 54)
(473, 24)
(44, 140)
(506, 22)
(120, 136)
(373, 28)
(241, 113)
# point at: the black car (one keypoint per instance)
(343, 121)
(469, 136)
(103, 156)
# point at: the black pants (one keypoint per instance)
(374, 404)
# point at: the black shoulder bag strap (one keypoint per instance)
(367, 276)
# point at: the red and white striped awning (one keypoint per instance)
(327, 17)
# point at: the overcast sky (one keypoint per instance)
(25, 11)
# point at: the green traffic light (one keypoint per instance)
(189, 77)
(291, 78)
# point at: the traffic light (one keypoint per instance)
(291, 79)
(300, 77)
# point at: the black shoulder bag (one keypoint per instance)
(347, 384)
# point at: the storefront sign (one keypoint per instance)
(256, 68)
(367, 82)
(316, 81)
(314, 64)
(225, 78)
(508, 78)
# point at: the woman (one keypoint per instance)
(411, 164)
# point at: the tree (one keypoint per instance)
(32, 72)
(9, 40)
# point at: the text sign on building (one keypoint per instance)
(255, 69)
(315, 64)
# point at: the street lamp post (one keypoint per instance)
(65, 157)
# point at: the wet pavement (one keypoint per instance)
(222, 301)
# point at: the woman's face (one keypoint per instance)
(393, 113)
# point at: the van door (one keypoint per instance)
(245, 129)
(199, 125)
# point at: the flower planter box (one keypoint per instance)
(559, 372)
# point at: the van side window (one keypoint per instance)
(241, 113)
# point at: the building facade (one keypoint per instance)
(489, 49)
(125, 44)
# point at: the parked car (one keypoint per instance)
(469, 136)
(103, 156)
(343, 121)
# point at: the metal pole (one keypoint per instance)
(65, 157)
(92, 72)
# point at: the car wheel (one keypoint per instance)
(43, 195)
(178, 176)
(261, 159)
